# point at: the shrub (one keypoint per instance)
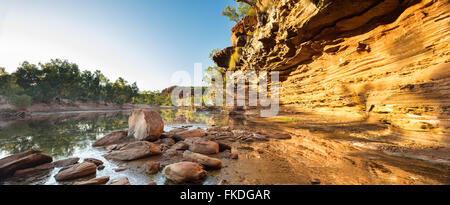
(21, 101)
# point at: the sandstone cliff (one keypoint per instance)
(386, 60)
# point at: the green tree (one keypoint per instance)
(62, 79)
(236, 14)
(21, 101)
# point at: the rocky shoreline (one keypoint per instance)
(184, 155)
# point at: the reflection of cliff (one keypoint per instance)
(364, 59)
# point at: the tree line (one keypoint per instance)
(60, 79)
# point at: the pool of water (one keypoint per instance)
(334, 152)
(71, 134)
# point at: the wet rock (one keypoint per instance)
(101, 167)
(152, 167)
(66, 162)
(171, 133)
(201, 146)
(145, 125)
(96, 181)
(164, 147)
(113, 138)
(204, 160)
(234, 156)
(111, 147)
(29, 159)
(120, 169)
(152, 183)
(38, 170)
(171, 152)
(97, 162)
(314, 181)
(223, 146)
(168, 141)
(135, 150)
(76, 171)
(121, 182)
(184, 172)
(180, 146)
(197, 133)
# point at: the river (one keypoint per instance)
(332, 154)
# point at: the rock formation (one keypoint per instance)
(364, 59)
(145, 125)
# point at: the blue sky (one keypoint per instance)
(144, 41)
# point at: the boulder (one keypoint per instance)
(152, 167)
(145, 125)
(101, 167)
(152, 183)
(180, 146)
(201, 146)
(172, 132)
(113, 138)
(97, 162)
(204, 160)
(121, 182)
(66, 162)
(184, 172)
(135, 150)
(76, 171)
(223, 146)
(197, 133)
(96, 181)
(120, 169)
(168, 141)
(29, 159)
(41, 169)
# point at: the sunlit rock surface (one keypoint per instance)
(368, 60)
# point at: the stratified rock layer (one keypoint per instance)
(359, 60)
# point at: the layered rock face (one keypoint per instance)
(366, 59)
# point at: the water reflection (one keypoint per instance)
(60, 135)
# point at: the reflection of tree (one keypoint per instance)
(60, 137)
(183, 116)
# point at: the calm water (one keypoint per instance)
(319, 150)
(71, 134)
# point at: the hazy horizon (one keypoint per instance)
(143, 41)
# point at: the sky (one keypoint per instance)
(143, 41)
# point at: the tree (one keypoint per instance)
(260, 7)
(62, 79)
(236, 14)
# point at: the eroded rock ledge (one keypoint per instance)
(362, 59)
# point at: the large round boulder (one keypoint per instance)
(184, 172)
(145, 125)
